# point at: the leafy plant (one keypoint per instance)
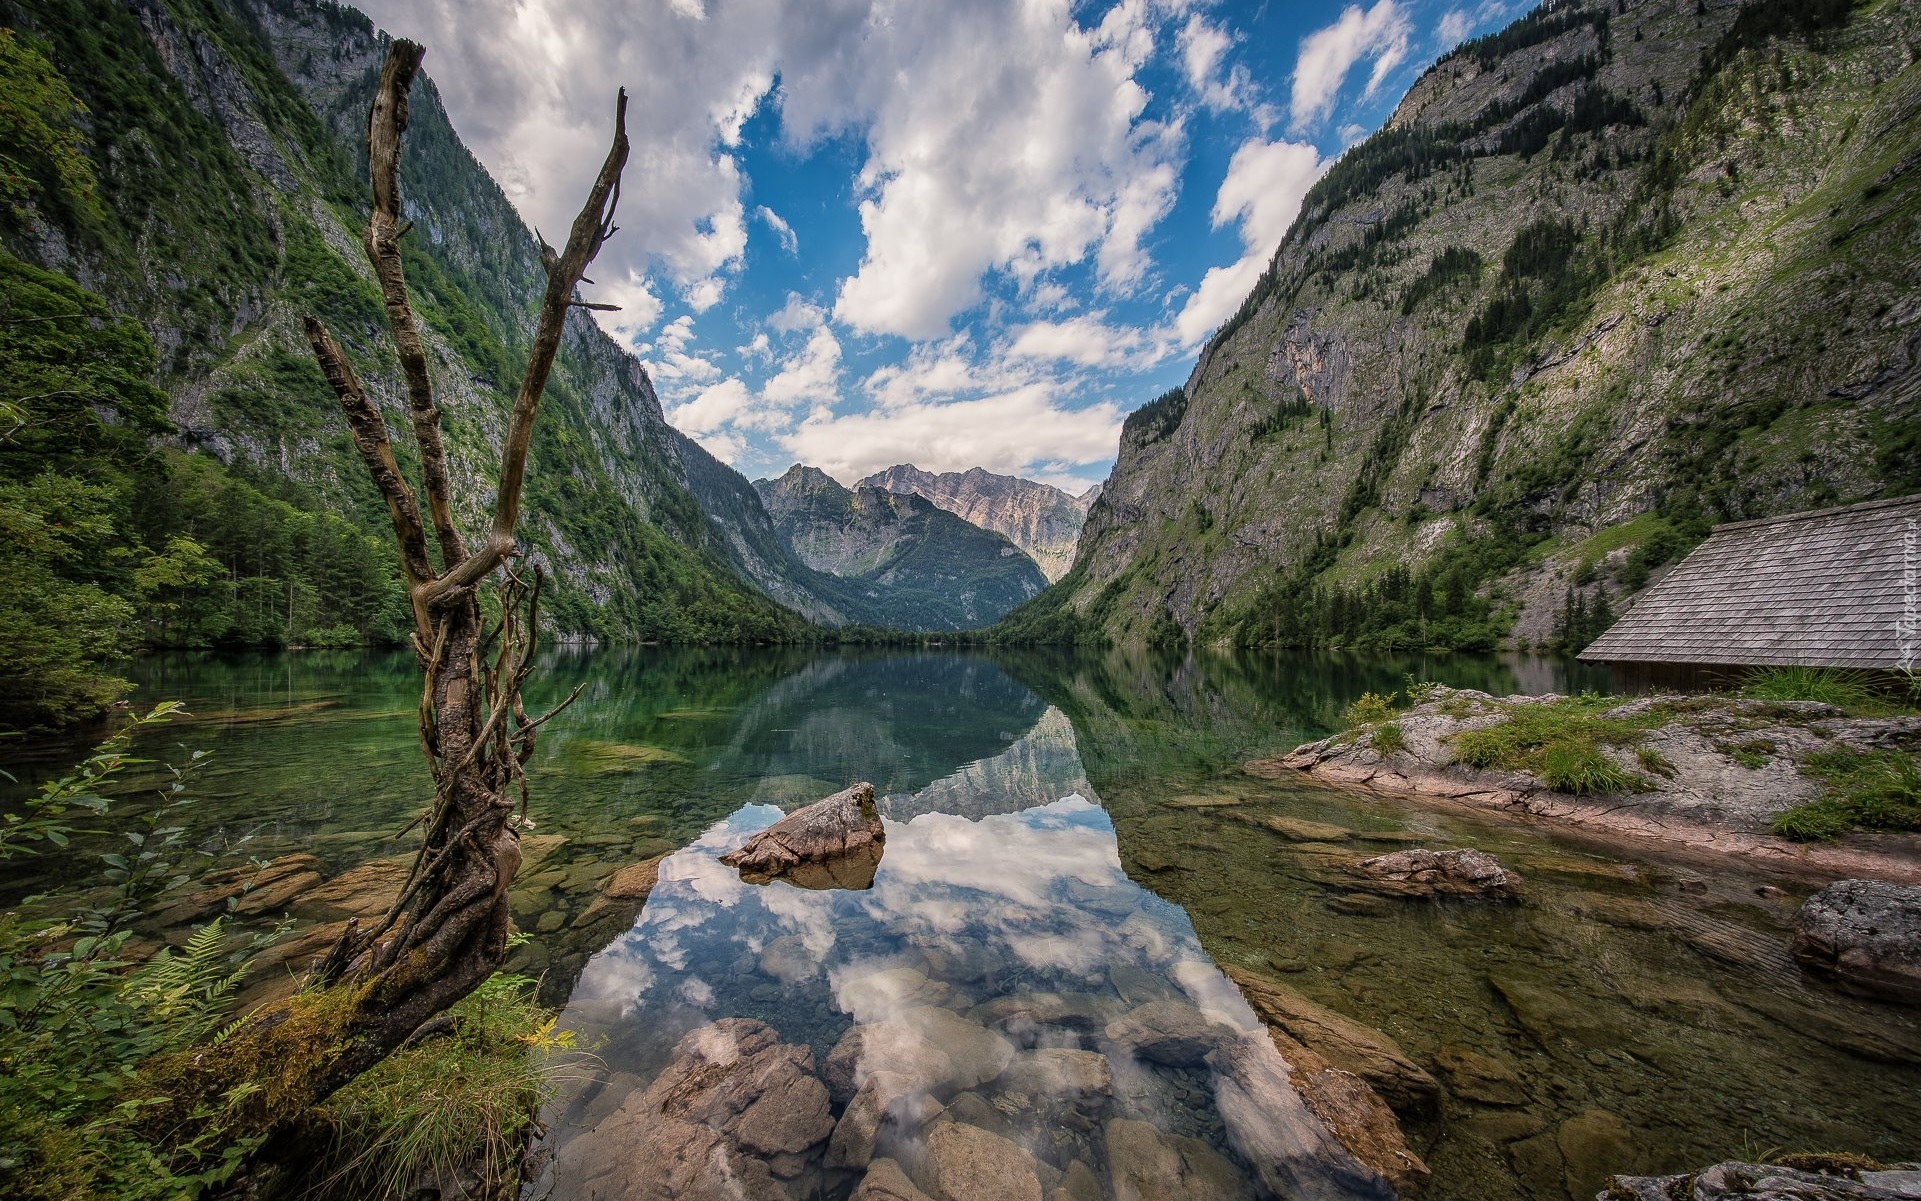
(1419, 692)
(1369, 708)
(81, 1008)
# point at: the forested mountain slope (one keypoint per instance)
(199, 166)
(904, 561)
(1616, 273)
(1039, 518)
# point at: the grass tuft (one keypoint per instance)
(449, 1104)
(1849, 690)
(1560, 743)
(1869, 790)
(1390, 738)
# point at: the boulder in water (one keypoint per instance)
(1146, 1165)
(1470, 874)
(833, 843)
(1866, 935)
(736, 1113)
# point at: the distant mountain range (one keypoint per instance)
(1039, 518)
(905, 561)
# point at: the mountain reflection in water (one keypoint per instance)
(989, 941)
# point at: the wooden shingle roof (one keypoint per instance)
(1817, 589)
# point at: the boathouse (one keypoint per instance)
(1826, 588)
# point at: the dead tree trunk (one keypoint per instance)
(475, 626)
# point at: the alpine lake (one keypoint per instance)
(1072, 850)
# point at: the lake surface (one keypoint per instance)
(1070, 840)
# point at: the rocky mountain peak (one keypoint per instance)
(1042, 520)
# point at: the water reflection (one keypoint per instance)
(1002, 974)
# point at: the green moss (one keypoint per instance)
(1871, 790)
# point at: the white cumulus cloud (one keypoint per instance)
(1380, 33)
(1266, 182)
(1012, 433)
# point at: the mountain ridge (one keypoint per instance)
(916, 565)
(241, 212)
(1042, 520)
(1493, 365)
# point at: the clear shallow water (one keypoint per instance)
(1041, 807)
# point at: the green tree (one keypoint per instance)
(42, 151)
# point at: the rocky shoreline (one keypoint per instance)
(1728, 768)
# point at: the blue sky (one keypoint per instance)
(949, 232)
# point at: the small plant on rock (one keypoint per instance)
(1369, 709)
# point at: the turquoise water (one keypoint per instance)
(1077, 826)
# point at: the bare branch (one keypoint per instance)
(598, 308)
(386, 122)
(370, 436)
(591, 229)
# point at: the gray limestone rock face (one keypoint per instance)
(1866, 935)
(808, 844)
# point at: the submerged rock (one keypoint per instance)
(734, 1115)
(1058, 1072)
(1766, 1182)
(1470, 874)
(1345, 1043)
(1480, 1078)
(1294, 1151)
(965, 1163)
(1169, 1032)
(832, 843)
(1866, 934)
(886, 1182)
(887, 1103)
(937, 1048)
(1146, 1165)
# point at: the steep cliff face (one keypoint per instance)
(909, 563)
(1039, 518)
(229, 140)
(1613, 274)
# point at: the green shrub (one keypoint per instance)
(1872, 790)
(1368, 709)
(80, 1010)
